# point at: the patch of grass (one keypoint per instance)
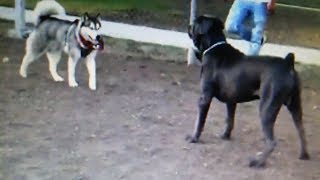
(154, 5)
(5, 26)
(288, 26)
(100, 5)
(309, 75)
(305, 3)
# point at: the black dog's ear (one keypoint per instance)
(205, 24)
(199, 26)
(218, 24)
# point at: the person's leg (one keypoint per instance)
(235, 21)
(259, 13)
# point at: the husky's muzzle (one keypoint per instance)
(98, 44)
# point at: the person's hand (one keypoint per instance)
(271, 7)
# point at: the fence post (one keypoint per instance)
(193, 11)
(191, 56)
(20, 22)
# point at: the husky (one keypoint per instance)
(78, 39)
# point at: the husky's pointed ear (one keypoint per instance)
(98, 17)
(85, 17)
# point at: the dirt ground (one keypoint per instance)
(134, 125)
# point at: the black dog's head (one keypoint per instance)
(205, 31)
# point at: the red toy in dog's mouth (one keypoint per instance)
(99, 46)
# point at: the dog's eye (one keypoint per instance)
(91, 26)
(97, 26)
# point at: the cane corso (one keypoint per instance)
(232, 77)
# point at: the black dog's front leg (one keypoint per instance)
(203, 105)
(231, 109)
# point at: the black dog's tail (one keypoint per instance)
(290, 59)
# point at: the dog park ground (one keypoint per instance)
(134, 125)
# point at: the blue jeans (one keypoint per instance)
(241, 11)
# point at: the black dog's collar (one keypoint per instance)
(213, 46)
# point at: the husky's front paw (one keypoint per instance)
(58, 79)
(23, 73)
(92, 86)
(73, 84)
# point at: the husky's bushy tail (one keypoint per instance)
(47, 8)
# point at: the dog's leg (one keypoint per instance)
(203, 107)
(295, 109)
(91, 66)
(27, 60)
(269, 109)
(54, 58)
(72, 62)
(32, 53)
(231, 109)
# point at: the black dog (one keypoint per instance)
(232, 77)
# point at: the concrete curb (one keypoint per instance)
(178, 39)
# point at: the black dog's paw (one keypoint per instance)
(191, 139)
(304, 156)
(225, 136)
(256, 163)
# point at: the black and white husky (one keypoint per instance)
(79, 39)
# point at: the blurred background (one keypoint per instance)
(298, 25)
